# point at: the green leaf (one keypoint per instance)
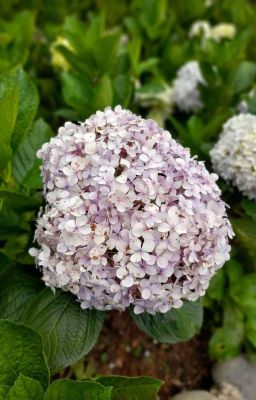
(177, 126)
(251, 102)
(234, 271)
(25, 162)
(17, 288)
(243, 292)
(1, 203)
(106, 53)
(18, 105)
(153, 17)
(126, 388)
(217, 286)
(249, 207)
(19, 201)
(21, 351)
(18, 35)
(4, 262)
(28, 103)
(4, 389)
(25, 388)
(224, 343)
(177, 325)
(196, 129)
(134, 50)
(245, 76)
(77, 390)
(103, 93)
(77, 92)
(122, 90)
(9, 100)
(147, 65)
(250, 330)
(10, 222)
(68, 332)
(245, 229)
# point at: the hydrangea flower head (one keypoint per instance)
(234, 155)
(131, 218)
(186, 94)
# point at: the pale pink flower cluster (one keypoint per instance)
(131, 218)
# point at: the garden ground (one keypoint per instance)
(123, 349)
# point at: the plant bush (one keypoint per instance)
(63, 61)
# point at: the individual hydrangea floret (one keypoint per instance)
(234, 155)
(131, 218)
(186, 94)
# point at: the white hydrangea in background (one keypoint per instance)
(200, 28)
(223, 31)
(131, 218)
(234, 155)
(186, 94)
(209, 3)
(57, 58)
(217, 32)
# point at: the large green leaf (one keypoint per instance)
(9, 101)
(225, 342)
(28, 103)
(77, 390)
(245, 76)
(25, 162)
(77, 92)
(25, 388)
(15, 38)
(106, 53)
(243, 292)
(122, 89)
(21, 351)
(245, 230)
(176, 325)
(217, 286)
(103, 95)
(126, 388)
(20, 201)
(196, 129)
(84, 96)
(18, 105)
(68, 332)
(4, 389)
(249, 207)
(17, 287)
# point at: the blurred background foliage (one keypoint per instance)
(65, 59)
